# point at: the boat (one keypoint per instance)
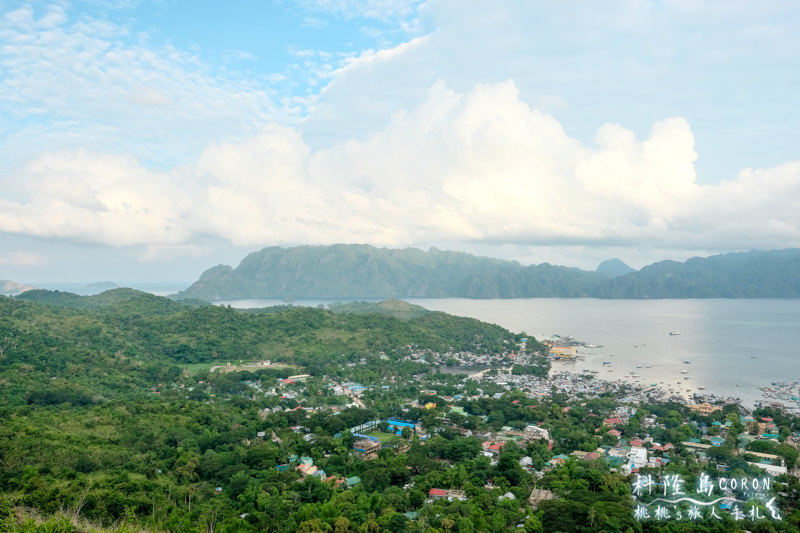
(684, 371)
(674, 332)
(687, 362)
(607, 362)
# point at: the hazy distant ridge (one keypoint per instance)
(362, 271)
(12, 288)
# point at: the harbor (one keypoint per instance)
(685, 383)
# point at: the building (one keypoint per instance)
(396, 425)
(535, 433)
(637, 457)
(366, 448)
(437, 494)
(704, 408)
(440, 494)
(772, 470)
(563, 352)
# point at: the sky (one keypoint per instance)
(148, 140)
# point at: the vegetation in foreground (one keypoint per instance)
(104, 428)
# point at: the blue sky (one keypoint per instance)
(149, 140)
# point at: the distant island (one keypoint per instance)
(363, 271)
(12, 288)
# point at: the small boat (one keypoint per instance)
(607, 362)
(684, 371)
(674, 332)
(687, 362)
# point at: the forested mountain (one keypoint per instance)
(613, 268)
(772, 274)
(361, 271)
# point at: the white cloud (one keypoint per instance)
(377, 9)
(474, 167)
(513, 126)
(67, 83)
(722, 66)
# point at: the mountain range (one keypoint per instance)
(363, 271)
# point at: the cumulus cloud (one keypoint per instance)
(481, 166)
(520, 135)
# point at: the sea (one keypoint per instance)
(726, 347)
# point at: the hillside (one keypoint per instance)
(361, 271)
(395, 308)
(58, 346)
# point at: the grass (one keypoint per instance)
(381, 435)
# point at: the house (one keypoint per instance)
(493, 447)
(612, 421)
(437, 494)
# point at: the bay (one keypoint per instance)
(733, 347)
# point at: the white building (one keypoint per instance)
(637, 457)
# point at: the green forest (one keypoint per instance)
(131, 412)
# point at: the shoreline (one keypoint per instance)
(689, 390)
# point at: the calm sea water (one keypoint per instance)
(733, 346)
